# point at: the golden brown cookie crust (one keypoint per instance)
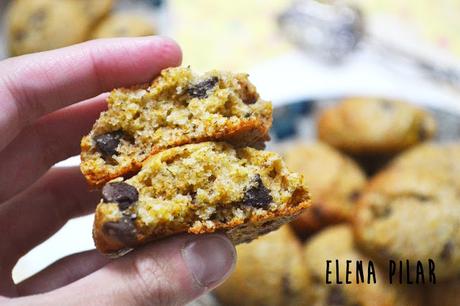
(337, 243)
(269, 271)
(370, 126)
(237, 232)
(410, 210)
(247, 124)
(335, 183)
(201, 188)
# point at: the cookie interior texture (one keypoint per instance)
(197, 188)
(178, 108)
(369, 126)
(411, 210)
(335, 184)
(269, 271)
(337, 243)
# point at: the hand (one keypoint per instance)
(38, 128)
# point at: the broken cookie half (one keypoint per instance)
(178, 108)
(199, 188)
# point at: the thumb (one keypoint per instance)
(174, 271)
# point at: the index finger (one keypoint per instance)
(36, 84)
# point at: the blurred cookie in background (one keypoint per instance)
(124, 24)
(374, 129)
(336, 243)
(269, 271)
(41, 25)
(94, 10)
(335, 182)
(445, 293)
(411, 210)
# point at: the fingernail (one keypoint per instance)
(210, 259)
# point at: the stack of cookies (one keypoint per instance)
(383, 225)
(182, 154)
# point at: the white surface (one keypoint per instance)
(296, 76)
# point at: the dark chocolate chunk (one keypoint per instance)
(107, 143)
(422, 197)
(381, 211)
(447, 250)
(200, 90)
(122, 193)
(20, 35)
(286, 285)
(386, 105)
(37, 18)
(422, 133)
(354, 196)
(122, 230)
(258, 195)
(335, 297)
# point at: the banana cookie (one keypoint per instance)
(411, 211)
(269, 271)
(178, 108)
(445, 294)
(124, 25)
(335, 182)
(368, 126)
(95, 10)
(336, 243)
(41, 25)
(199, 188)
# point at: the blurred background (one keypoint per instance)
(294, 51)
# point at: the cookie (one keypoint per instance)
(95, 10)
(199, 188)
(124, 25)
(335, 182)
(370, 126)
(41, 25)
(269, 271)
(445, 294)
(412, 209)
(336, 243)
(178, 108)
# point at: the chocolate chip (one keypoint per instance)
(336, 297)
(447, 250)
(37, 18)
(258, 195)
(381, 211)
(200, 90)
(122, 193)
(354, 196)
(107, 143)
(20, 35)
(122, 230)
(422, 197)
(386, 105)
(286, 285)
(422, 133)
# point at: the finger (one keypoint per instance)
(62, 272)
(170, 272)
(51, 139)
(36, 214)
(36, 84)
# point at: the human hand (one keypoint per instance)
(38, 128)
